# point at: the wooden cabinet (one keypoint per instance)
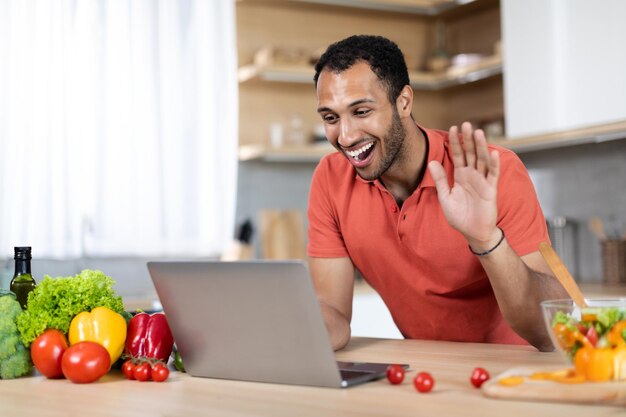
(276, 87)
(274, 93)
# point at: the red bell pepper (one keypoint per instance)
(149, 336)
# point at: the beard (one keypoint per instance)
(392, 143)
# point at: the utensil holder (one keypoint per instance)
(614, 261)
(563, 233)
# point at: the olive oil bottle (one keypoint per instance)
(22, 282)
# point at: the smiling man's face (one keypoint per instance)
(359, 120)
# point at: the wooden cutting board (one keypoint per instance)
(608, 393)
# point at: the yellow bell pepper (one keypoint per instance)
(102, 325)
(595, 364)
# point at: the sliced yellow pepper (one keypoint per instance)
(567, 338)
(619, 364)
(591, 317)
(614, 336)
(564, 376)
(102, 325)
(511, 381)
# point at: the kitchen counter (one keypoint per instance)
(181, 395)
(600, 290)
(589, 289)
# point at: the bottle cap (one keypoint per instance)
(23, 253)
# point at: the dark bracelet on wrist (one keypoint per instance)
(490, 250)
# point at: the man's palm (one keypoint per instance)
(470, 206)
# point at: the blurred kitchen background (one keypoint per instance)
(541, 77)
(182, 129)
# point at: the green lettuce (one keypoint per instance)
(561, 318)
(55, 301)
(608, 317)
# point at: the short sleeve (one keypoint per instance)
(325, 239)
(519, 212)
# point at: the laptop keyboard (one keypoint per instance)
(347, 375)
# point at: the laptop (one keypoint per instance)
(252, 321)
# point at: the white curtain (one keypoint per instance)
(118, 127)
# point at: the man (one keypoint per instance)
(443, 226)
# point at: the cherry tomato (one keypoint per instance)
(128, 368)
(85, 362)
(423, 382)
(47, 351)
(395, 374)
(479, 376)
(142, 372)
(160, 372)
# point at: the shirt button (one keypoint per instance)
(394, 209)
(404, 217)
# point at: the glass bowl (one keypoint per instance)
(571, 327)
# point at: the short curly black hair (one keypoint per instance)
(383, 56)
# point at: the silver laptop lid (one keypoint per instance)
(253, 321)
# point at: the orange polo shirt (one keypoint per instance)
(421, 267)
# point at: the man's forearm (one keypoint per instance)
(519, 291)
(337, 325)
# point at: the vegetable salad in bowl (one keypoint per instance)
(593, 338)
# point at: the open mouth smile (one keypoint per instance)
(360, 156)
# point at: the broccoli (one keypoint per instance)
(14, 357)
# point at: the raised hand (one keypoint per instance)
(470, 205)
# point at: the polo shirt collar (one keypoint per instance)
(436, 152)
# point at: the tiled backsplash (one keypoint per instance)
(580, 182)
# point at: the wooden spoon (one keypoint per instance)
(565, 278)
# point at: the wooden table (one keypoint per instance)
(182, 395)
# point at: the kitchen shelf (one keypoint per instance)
(585, 135)
(312, 154)
(421, 7)
(488, 67)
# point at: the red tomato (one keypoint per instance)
(423, 382)
(142, 372)
(85, 362)
(395, 374)
(160, 372)
(592, 336)
(128, 368)
(479, 376)
(47, 351)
